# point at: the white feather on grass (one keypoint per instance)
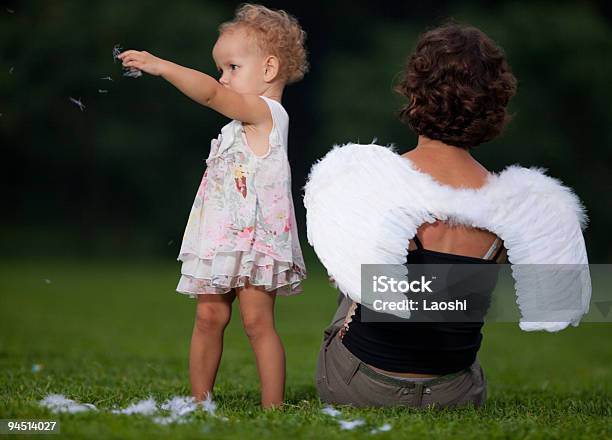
(178, 407)
(350, 424)
(145, 407)
(384, 428)
(209, 405)
(330, 411)
(58, 403)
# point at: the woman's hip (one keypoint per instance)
(341, 378)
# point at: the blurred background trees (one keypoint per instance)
(119, 177)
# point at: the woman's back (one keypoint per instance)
(433, 347)
(458, 169)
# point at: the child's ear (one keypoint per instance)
(271, 67)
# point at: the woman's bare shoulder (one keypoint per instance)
(450, 169)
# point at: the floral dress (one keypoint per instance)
(242, 223)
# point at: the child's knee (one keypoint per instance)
(256, 325)
(212, 316)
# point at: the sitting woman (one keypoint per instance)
(436, 204)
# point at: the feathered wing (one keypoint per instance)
(365, 202)
(541, 222)
(349, 196)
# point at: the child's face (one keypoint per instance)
(239, 62)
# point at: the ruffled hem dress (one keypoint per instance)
(241, 227)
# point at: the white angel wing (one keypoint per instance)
(348, 197)
(541, 223)
(364, 203)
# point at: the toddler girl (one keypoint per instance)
(241, 237)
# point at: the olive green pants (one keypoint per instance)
(343, 379)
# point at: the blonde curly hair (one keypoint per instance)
(276, 32)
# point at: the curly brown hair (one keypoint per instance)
(276, 32)
(458, 84)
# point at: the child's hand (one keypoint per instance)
(142, 60)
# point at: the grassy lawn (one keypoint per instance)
(112, 333)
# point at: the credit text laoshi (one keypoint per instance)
(384, 284)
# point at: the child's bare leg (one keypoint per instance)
(213, 313)
(257, 312)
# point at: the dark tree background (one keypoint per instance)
(118, 178)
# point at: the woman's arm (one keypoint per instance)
(202, 88)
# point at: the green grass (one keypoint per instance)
(112, 333)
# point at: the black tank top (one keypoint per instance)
(420, 347)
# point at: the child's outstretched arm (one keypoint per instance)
(200, 87)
